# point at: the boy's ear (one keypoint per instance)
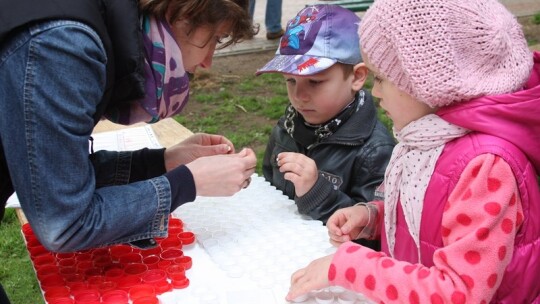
(360, 74)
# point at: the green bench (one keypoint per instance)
(353, 5)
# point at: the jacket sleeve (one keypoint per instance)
(267, 159)
(120, 168)
(479, 226)
(323, 200)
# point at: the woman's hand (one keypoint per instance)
(223, 175)
(195, 146)
(313, 277)
(347, 223)
(299, 169)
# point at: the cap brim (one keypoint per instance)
(296, 65)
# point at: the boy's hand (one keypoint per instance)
(299, 169)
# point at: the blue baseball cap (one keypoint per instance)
(318, 37)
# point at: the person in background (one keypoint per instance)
(460, 217)
(66, 66)
(272, 17)
(329, 150)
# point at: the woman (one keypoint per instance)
(66, 65)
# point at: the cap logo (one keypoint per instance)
(301, 33)
(307, 64)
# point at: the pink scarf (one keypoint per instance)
(409, 171)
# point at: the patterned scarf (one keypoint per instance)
(167, 83)
(409, 171)
(308, 134)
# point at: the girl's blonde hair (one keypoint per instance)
(210, 13)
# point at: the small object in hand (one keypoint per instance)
(247, 181)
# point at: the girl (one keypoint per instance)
(460, 217)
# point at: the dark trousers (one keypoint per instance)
(3, 296)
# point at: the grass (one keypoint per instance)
(17, 276)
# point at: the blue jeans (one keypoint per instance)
(272, 17)
(53, 78)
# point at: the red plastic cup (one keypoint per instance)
(98, 252)
(89, 295)
(53, 280)
(141, 291)
(137, 269)
(187, 237)
(27, 230)
(114, 274)
(67, 271)
(62, 300)
(176, 223)
(37, 251)
(106, 286)
(174, 231)
(92, 272)
(44, 259)
(177, 275)
(47, 270)
(152, 251)
(176, 272)
(64, 255)
(158, 279)
(127, 281)
(67, 262)
(118, 250)
(180, 284)
(56, 292)
(102, 261)
(151, 261)
(171, 254)
(77, 287)
(95, 281)
(74, 279)
(184, 261)
(83, 266)
(130, 258)
(83, 257)
(146, 300)
(164, 264)
(171, 243)
(115, 297)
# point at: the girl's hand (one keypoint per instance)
(347, 223)
(313, 277)
(299, 169)
(195, 146)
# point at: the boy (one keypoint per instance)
(329, 150)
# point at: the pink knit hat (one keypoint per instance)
(446, 51)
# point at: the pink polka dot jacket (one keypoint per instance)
(480, 225)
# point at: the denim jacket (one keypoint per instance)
(351, 163)
(74, 201)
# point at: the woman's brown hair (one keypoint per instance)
(209, 13)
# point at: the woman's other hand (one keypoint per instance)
(196, 146)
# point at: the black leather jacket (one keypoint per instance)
(351, 163)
